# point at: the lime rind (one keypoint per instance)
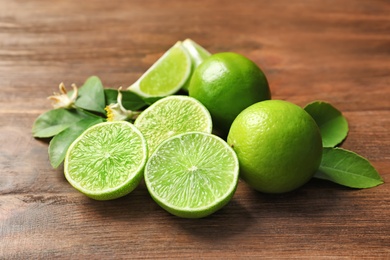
(170, 116)
(167, 75)
(111, 147)
(192, 175)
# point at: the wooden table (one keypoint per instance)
(337, 51)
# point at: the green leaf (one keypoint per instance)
(55, 121)
(348, 169)
(333, 125)
(91, 95)
(60, 143)
(130, 100)
(150, 100)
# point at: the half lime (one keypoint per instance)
(107, 160)
(170, 116)
(192, 175)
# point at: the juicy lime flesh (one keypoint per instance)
(278, 144)
(171, 116)
(105, 157)
(168, 75)
(192, 174)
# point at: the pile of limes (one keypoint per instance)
(274, 145)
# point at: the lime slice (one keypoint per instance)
(107, 160)
(192, 175)
(170, 116)
(166, 76)
(197, 53)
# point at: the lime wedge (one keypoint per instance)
(170, 116)
(166, 76)
(107, 160)
(192, 175)
(197, 53)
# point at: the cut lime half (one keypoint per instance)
(192, 175)
(170, 116)
(107, 160)
(167, 75)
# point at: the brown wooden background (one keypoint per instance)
(337, 51)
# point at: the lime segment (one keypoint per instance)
(171, 116)
(192, 175)
(197, 54)
(167, 75)
(107, 160)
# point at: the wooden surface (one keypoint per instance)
(337, 51)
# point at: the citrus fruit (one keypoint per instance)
(278, 145)
(170, 116)
(197, 54)
(167, 75)
(227, 83)
(107, 160)
(192, 175)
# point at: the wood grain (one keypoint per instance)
(337, 51)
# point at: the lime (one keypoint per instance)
(166, 76)
(197, 53)
(170, 116)
(107, 160)
(192, 175)
(278, 145)
(227, 83)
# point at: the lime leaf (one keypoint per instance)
(61, 142)
(151, 100)
(332, 124)
(130, 100)
(55, 121)
(347, 168)
(91, 95)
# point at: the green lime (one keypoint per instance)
(227, 83)
(192, 175)
(170, 116)
(107, 160)
(278, 145)
(197, 53)
(166, 76)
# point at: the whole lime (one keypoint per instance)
(278, 144)
(227, 83)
